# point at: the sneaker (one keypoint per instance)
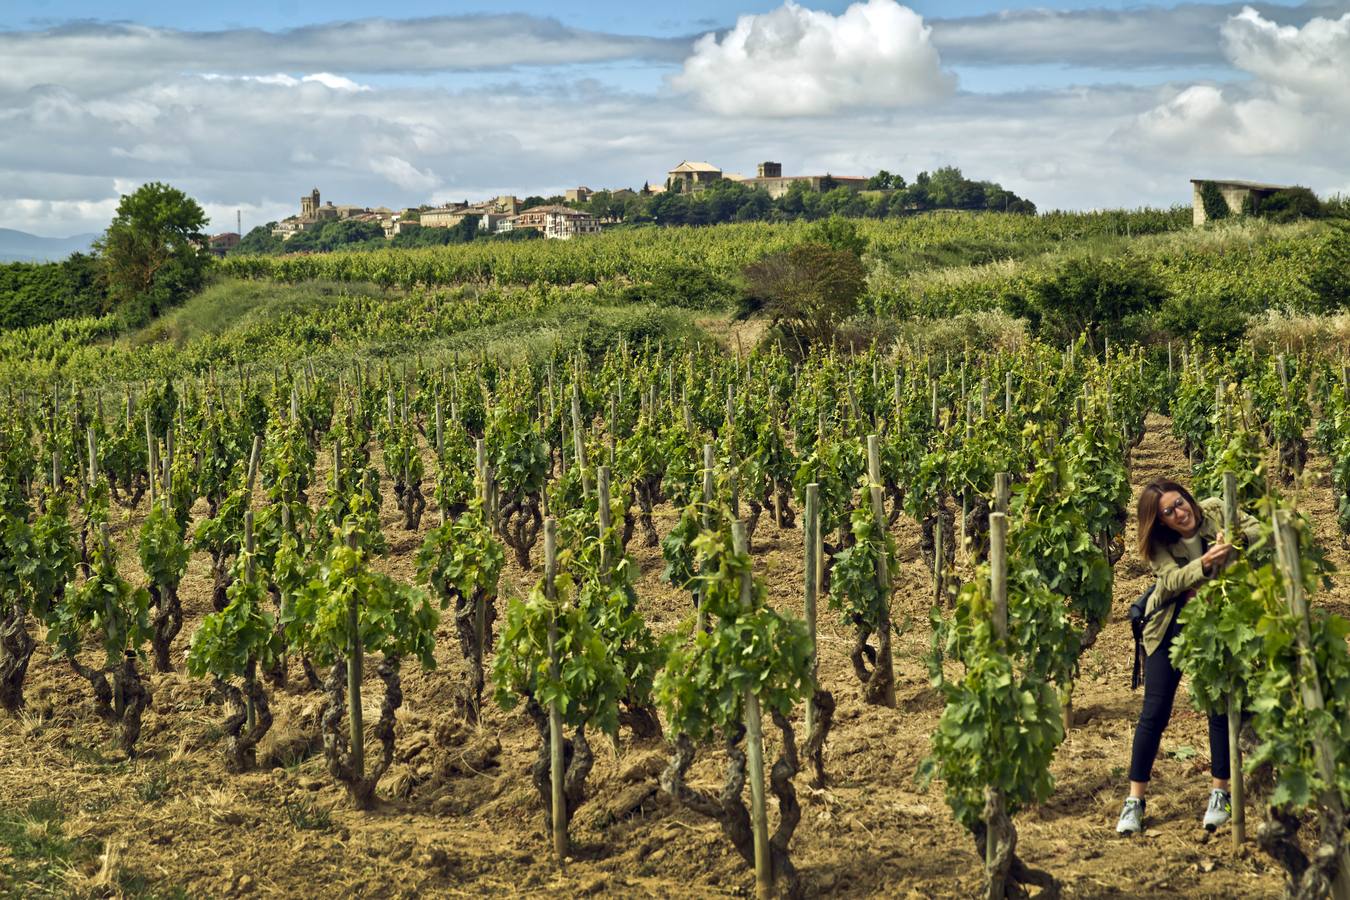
(1220, 809)
(1131, 816)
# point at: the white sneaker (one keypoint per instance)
(1131, 816)
(1220, 809)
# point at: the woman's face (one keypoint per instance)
(1177, 514)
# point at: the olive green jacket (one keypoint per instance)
(1178, 572)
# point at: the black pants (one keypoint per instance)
(1160, 689)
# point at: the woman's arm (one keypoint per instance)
(1250, 527)
(1172, 578)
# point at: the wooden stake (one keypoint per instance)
(555, 735)
(754, 748)
(811, 551)
(1238, 793)
(1286, 549)
(883, 573)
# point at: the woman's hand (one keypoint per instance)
(1216, 557)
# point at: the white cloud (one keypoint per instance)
(796, 61)
(1313, 59)
(1136, 37)
(1291, 114)
(106, 57)
(403, 173)
(281, 79)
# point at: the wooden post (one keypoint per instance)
(1008, 392)
(1286, 549)
(883, 573)
(939, 570)
(93, 455)
(811, 541)
(1002, 494)
(440, 430)
(602, 496)
(709, 490)
(754, 748)
(555, 735)
(254, 459)
(250, 713)
(579, 442)
(1238, 793)
(355, 666)
(151, 457)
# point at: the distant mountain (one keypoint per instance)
(20, 246)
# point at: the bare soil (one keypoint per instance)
(457, 814)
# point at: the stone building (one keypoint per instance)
(577, 194)
(220, 244)
(691, 176)
(1235, 194)
(557, 222)
(769, 176)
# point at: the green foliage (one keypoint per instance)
(853, 580)
(334, 235)
(163, 554)
(38, 293)
(588, 683)
(516, 452)
(392, 618)
(1329, 276)
(259, 240)
(461, 558)
(1211, 198)
(749, 647)
(151, 251)
(1287, 205)
(1099, 296)
(229, 643)
(806, 291)
(684, 286)
(105, 605)
(1001, 724)
(837, 233)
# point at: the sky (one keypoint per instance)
(247, 105)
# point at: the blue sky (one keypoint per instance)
(247, 104)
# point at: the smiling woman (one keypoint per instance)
(1185, 546)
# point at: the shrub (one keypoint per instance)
(683, 286)
(807, 291)
(1211, 198)
(1102, 297)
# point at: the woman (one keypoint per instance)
(1183, 543)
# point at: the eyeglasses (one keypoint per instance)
(1168, 512)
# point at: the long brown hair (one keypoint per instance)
(1153, 531)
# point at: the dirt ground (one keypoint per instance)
(457, 815)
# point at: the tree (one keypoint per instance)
(259, 240)
(1288, 205)
(808, 291)
(152, 252)
(837, 233)
(1096, 295)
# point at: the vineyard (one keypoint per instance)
(526, 568)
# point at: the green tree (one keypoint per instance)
(1098, 296)
(152, 252)
(807, 290)
(837, 233)
(259, 240)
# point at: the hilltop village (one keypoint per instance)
(556, 218)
